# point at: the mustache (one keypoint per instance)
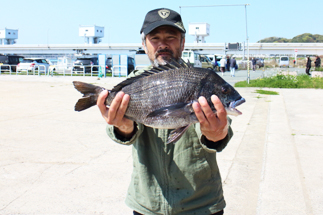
(163, 50)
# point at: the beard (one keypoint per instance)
(158, 60)
(164, 59)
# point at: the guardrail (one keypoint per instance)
(92, 71)
(95, 70)
(58, 69)
(122, 70)
(37, 69)
(9, 68)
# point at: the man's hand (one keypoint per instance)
(213, 125)
(114, 115)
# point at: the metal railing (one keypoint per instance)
(64, 69)
(35, 70)
(92, 71)
(95, 70)
(7, 70)
(119, 70)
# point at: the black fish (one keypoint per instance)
(162, 97)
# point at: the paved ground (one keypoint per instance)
(57, 161)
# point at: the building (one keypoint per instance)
(92, 34)
(8, 36)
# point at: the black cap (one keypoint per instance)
(162, 16)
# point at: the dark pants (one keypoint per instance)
(217, 213)
(308, 70)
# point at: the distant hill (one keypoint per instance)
(303, 38)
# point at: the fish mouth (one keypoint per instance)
(231, 109)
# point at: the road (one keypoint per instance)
(54, 160)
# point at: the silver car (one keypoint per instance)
(284, 61)
(31, 64)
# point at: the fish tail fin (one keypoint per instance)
(90, 95)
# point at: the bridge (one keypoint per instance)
(255, 49)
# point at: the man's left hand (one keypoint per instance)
(214, 126)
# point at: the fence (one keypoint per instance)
(93, 70)
(37, 69)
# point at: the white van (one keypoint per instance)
(192, 57)
(284, 61)
(213, 56)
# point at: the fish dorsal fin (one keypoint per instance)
(131, 80)
(173, 64)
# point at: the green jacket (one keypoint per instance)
(179, 178)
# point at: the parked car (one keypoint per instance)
(284, 61)
(206, 62)
(108, 65)
(260, 62)
(131, 64)
(12, 60)
(30, 64)
(86, 63)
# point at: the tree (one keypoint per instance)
(302, 38)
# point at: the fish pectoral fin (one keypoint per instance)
(176, 134)
(178, 110)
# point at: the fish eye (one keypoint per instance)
(225, 90)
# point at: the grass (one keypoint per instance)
(267, 92)
(284, 81)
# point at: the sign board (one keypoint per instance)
(296, 50)
(233, 46)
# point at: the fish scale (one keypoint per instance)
(176, 87)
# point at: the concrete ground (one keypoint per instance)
(54, 160)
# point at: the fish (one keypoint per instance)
(162, 96)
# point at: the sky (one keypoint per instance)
(58, 21)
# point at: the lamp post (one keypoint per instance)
(247, 38)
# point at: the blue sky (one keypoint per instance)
(57, 21)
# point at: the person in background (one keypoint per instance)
(308, 66)
(254, 63)
(228, 63)
(180, 178)
(317, 62)
(223, 63)
(233, 64)
(215, 68)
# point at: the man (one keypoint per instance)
(228, 63)
(223, 63)
(308, 66)
(233, 64)
(216, 66)
(317, 62)
(254, 64)
(180, 178)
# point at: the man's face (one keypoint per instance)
(164, 43)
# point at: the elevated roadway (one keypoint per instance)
(255, 49)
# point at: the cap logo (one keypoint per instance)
(164, 13)
(180, 25)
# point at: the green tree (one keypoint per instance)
(302, 38)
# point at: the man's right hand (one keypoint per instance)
(114, 115)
